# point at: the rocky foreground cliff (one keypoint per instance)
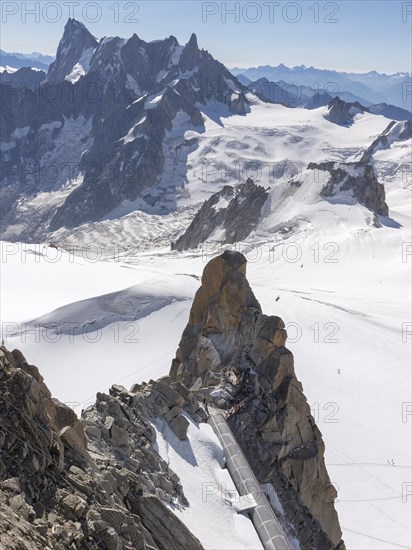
(99, 482)
(90, 483)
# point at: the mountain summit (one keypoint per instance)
(76, 45)
(120, 100)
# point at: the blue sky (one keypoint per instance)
(343, 35)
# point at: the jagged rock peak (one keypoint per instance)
(190, 54)
(75, 25)
(77, 41)
(228, 336)
(341, 112)
(192, 44)
(358, 178)
(75, 30)
(219, 270)
(135, 40)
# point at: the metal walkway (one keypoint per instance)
(263, 517)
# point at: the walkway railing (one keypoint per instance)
(263, 517)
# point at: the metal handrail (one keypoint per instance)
(268, 527)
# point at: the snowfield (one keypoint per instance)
(270, 144)
(341, 285)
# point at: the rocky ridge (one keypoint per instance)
(342, 113)
(356, 178)
(395, 131)
(293, 95)
(90, 483)
(98, 482)
(233, 212)
(26, 77)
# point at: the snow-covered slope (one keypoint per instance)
(203, 453)
(270, 144)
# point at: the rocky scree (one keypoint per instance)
(90, 483)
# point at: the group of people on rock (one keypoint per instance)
(243, 380)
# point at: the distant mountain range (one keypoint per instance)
(370, 88)
(310, 98)
(13, 60)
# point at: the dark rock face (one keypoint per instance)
(342, 113)
(271, 418)
(400, 131)
(236, 210)
(358, 178)
(117, 100)
(90, 483)
(75, 42)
